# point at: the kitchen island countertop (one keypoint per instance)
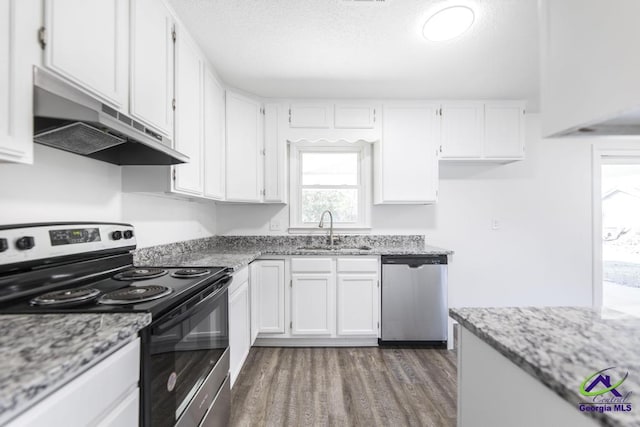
(42, 352)
(562, 346)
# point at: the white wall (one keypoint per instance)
(60, 186)
(541, 255)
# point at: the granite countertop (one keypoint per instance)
(42, 352)
(562, 346)
(235, 252)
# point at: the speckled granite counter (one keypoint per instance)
(236, 252)
(562, 346)
(40, 353)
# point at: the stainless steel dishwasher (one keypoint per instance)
(414, 300)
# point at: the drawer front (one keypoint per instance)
(358, 265)
(311, 265)
(239, 278)
(92, 395)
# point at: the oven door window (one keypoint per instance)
(183, 354)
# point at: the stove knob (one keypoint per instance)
(4, 245)
(128, 234)
(24, 243)
(116, 235)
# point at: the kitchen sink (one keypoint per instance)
(334, 248)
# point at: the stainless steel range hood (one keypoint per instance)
(68, 119)
(626, 123)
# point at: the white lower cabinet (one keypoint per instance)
(357, 304)
(268, 297)
(317, 300)
(239, 322)
(311, 303)
(105, 395)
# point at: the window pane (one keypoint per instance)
(343, 204)
(329, 168)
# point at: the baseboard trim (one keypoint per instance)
(316, 342)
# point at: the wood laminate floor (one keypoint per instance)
(345, 387)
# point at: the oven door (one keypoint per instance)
(185, 360)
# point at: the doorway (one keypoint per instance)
(616, 196)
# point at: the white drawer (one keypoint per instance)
(358, 265)
(239, 278)
(90, 397)
(311, 265)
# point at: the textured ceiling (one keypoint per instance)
(353, 49)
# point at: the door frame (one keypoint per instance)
(603, 153)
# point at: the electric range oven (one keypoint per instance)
(88, 268)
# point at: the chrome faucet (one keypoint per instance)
(321, 225)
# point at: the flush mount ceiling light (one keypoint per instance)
(448, 23)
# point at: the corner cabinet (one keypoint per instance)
(86, 43)
(244, 149)
(151, 66)
(406, 158)
(189, 127)
(19, 21)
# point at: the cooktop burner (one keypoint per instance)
(134, 294)
(187, 273)
(140, 274)
(66, 297)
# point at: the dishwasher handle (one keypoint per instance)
(415, 261)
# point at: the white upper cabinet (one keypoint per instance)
(354, 116)
(312, 116)
(482, 131)
(151, 69)
(275, 156)
(504, 130)
(86, 43)
(214, 161)
(244, 167)
(406, 159)
(19, 21)
(462, 130)
(189, 68)
(589, 62)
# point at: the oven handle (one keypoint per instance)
(179, 318)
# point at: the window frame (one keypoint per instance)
(363, 149)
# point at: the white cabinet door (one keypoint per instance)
(19, 21)
(357, 304)
(462, 125)
(214, 162)
(86, 42)
(243, 149)
(239, 329)
(312, 116)
(406, 160)
(312, 303)
(275, 156)
(151, 64)
(188, 117)
(503, 130)
(354, 116)
(270, 289)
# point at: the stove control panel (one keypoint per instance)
(32, 242)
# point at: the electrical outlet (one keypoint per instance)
(495, 224)
(274, 225)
